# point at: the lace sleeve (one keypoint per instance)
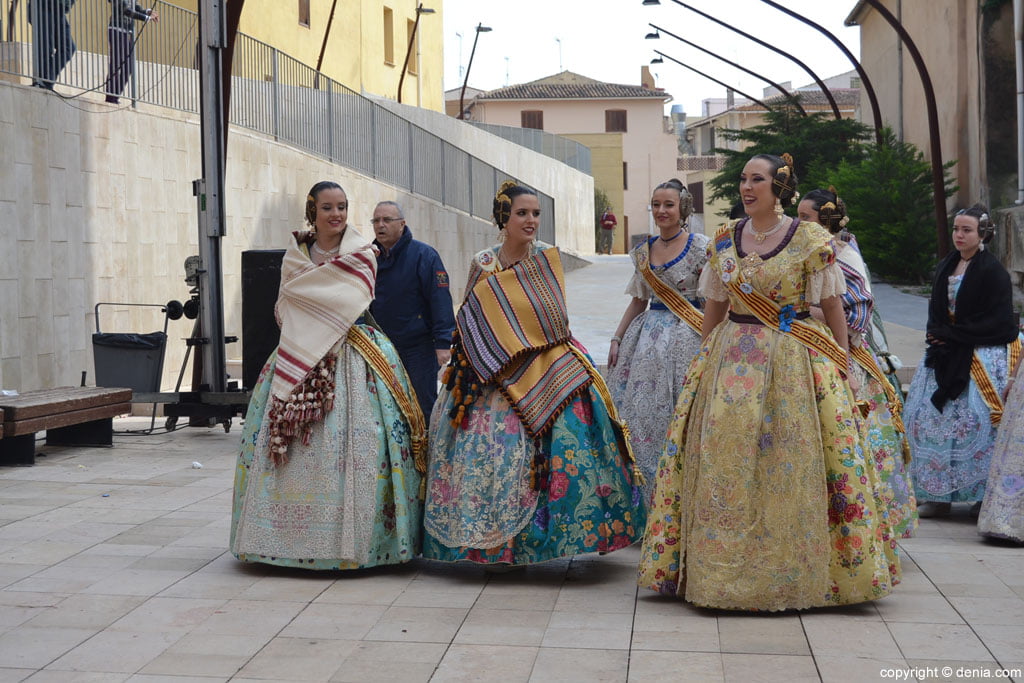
(822, 284)
(710, 285)
(638, 287)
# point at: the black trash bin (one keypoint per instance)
(125, 359)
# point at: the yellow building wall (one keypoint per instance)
(606, 167)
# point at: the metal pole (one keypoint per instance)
(462, 93)
(876, 111)
(938, 179)
(785, 93)
(1018, 35)
(814, 76)
(712, 78)
(408, 51)
(323, 45)
(209, 191)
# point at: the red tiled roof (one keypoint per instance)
(568, 85)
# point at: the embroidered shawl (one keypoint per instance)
(514, 328)
(318, 304)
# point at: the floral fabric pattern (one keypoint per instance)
(480, 505)
(1002, 512)
(654, 354)
(765, 497)
(349, 499)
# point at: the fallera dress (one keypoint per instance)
(350, 497)
(480, 503)
(1002, 513)
(765, 498)
(655, 352)
(885, 444)
(952, 449)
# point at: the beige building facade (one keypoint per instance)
(603, 115)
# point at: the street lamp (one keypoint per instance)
(480, 28)
(659, 60)
(785, 93)
(420, 9)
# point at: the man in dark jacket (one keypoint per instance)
(413, 303)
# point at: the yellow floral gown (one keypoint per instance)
(764, 499)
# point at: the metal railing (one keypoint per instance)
(711, 162)
(271, 93)
(557, 147)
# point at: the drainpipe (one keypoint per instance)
(1018, 35)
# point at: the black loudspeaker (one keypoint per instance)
(261, 278)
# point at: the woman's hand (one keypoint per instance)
(613, 353)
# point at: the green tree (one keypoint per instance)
(818, 143)
(888, 195)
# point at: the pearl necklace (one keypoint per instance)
(762, 236)
(328, 252)
(508, 261)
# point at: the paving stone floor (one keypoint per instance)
(113, 567)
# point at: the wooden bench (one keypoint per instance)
(70, 416)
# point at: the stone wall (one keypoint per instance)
(96, 205)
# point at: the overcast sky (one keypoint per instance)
(604, 39)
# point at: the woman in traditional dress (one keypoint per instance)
(886, 441)
(954, 404)
(527, 460)
(327, 477)
(654, 345)
(1002, 513)
(765, 499)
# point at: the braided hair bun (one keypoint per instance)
(830, 207)
(784, 180)
(502, 209)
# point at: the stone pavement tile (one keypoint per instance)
(24, 647)
(137, 582)
(936, 670)
(12, 573)
(298, 659)
(17, 608)
(503, 627)
(762, 634)
(207, 583)
(837, 637)
(389, 663)
(681, 630)
(62, 578)
(55, 676)
(944, 545)
(365, 589)
(696, 667)
(86, 611)
(247, 617)
(938, 641)
(909, 607)
(421, 594)
(559, 665)
(159, 678)
(121, 549)
(599, 630)
(497, 663)
(957, 568)
(42, 551)
(338, 622)
(205, 655)
(596, 598)
(418, 624)
(1008, 611)
(288, 584)
(851, 667)
(516, 596)
(768, 668)
(167, 615)
(1005, 642)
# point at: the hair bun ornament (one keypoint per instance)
(784, 182)
(311, 209)
(503, 204)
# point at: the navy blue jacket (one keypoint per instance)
(413, 302)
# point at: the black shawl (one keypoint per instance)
(984, 317)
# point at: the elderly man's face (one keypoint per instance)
(387, 226)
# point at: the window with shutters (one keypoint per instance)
(615, 120)
(531, 119)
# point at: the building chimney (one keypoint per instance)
(646, 79)
(730, 98)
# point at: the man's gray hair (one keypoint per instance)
(388, 202)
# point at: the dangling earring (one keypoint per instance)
(502, 234)
(778, 208)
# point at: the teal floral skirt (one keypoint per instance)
(349, 499)
(482, 506)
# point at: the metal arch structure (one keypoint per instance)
(785, 93)
(802, 65)
(713, 79)
(876, 112)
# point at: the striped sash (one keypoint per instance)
(675, 302)
(783, 319)
(988, 390)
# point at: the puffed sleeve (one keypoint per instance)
(824, 276)
(710, 285)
